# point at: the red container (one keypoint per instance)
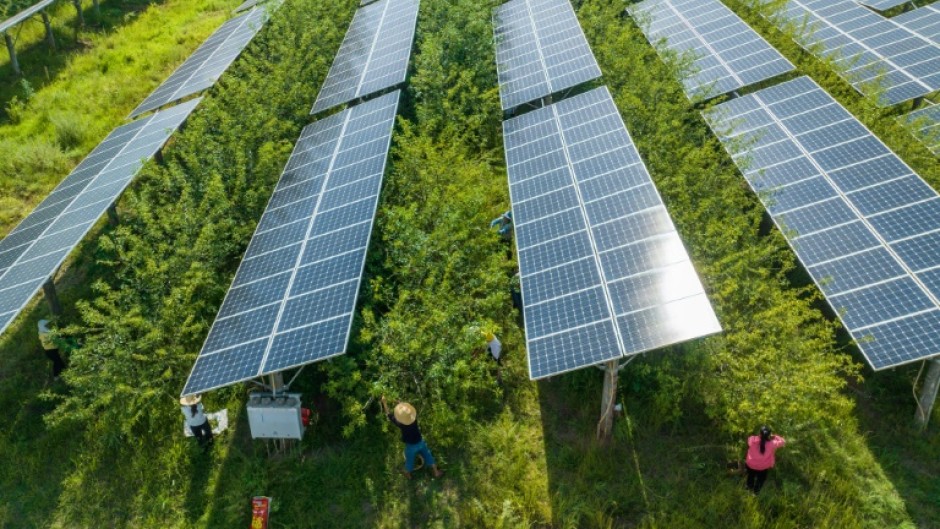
(260, 509)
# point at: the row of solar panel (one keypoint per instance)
(880, 57)
(858, 218)
(725, 53)
(603, 272)
(33, 251)
(294, 295)
(864, 225)
(374, 53)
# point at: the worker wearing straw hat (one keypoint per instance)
(196, 419)
(406, 419)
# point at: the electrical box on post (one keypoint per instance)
(275, 417)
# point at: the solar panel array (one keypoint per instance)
(540, 50)
(24, 14)
(925, 21)
(293, 297)
(865, 226)
(204, 67)
(604, 273)
(374, 54)
(876, 55)
(882, 5)
(927, 125)
(728, 54)
(33, 251)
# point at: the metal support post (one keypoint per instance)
(12, 49)
(50, 38)
(928, 393)
(605, 426)
(48, 289)
(112, 215)
(81, 16)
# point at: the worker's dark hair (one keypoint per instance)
(193, 408)
(764, 437)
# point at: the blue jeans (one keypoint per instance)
(418, 448)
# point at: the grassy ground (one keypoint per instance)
(528, 461)
(69, 100)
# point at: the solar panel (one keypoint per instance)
(248, 4)
(925, 21)
(604, 273)
(926, 123)
(33, 251)
(540, 50)
(204, 67)
(374, 53)
(876, 55)
(293, 297)
(865, 226)
(882, 5)
(728, 54)
(24, 14)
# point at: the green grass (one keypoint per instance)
(50, 124)
(526, 456)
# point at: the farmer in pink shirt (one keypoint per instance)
(760, 457)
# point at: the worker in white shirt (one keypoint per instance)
(50, 348)
(196, 419)
(495, 348)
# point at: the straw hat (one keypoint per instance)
(405, 413)
(189, 400)
(488, 335)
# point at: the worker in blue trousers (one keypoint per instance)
(405, 417)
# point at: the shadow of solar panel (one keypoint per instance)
(878, 56)
(598, 254)
(40, 243)
(727, 54)
(204, 67)
(540, 50)
(861, 222)
(294, 294)
(374, 54)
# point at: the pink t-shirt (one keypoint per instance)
(758, 461)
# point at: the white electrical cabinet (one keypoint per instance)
(275, 417)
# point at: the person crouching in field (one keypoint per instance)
(406, 419)
(760, 457)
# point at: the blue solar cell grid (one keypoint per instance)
(35, 249)
(204, 67)
(604, 273)
(540, 50)
(878, 56)
(294, 294)
(864, 225)
(727, 54)
(925, 21)
(374, 54)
